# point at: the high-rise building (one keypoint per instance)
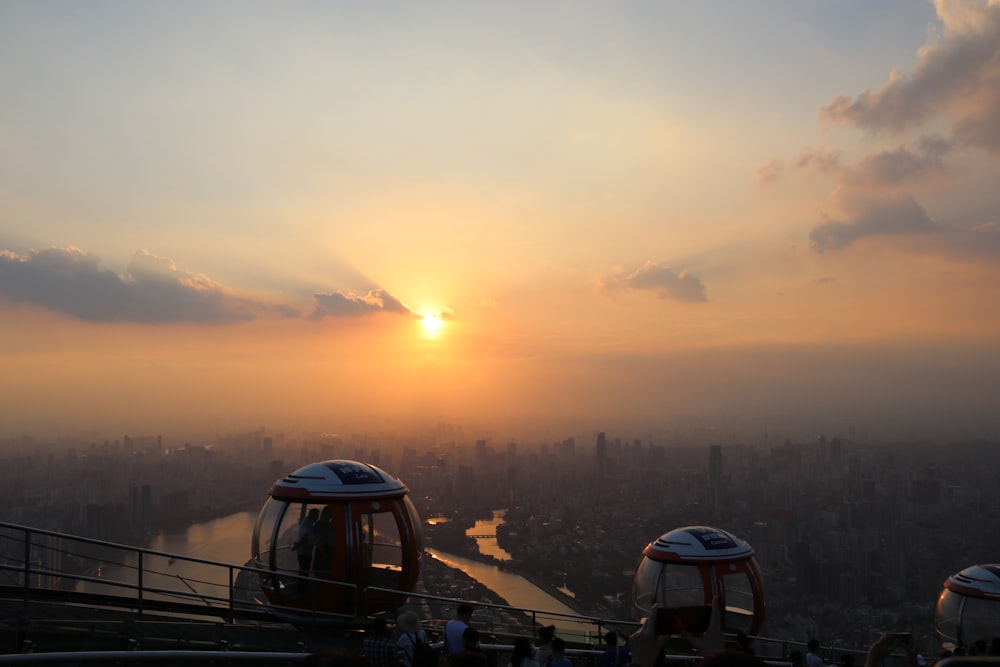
(601, 453)
(715, 474)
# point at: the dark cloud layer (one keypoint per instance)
(661, 280)
(150, 291)
(958, 76)
(870, 216)
(864, 213)
(901, 165)
(346, 304)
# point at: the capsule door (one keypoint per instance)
(377, 552)
(738, 584)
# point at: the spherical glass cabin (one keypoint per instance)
(690, 566)
(969, 606)
(329, 531)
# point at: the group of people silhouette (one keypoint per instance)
(643, 648)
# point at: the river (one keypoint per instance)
(227, 540)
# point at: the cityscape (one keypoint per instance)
(853, 538)
(579, 274)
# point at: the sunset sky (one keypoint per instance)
(334, 213)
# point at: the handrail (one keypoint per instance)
(201, 657)
(213, 605)
(149, 657)
(116, 545)
(229, 605)
(217, 603)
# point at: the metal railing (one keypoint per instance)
(125, 658)
(43, 566)
(46, 567)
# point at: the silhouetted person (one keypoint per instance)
(813, 658)
(305, 542)
(545, 635)
(558, 656)
(324, 544)
(412, 639)
(522, 654)
(613, 655)
(378, 648)
(454, 629)
(470, 655)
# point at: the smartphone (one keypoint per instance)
(693, 618)
(902, 638)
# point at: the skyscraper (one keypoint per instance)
(715, 474)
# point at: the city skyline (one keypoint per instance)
(251, 213)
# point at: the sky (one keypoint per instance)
(335, 214)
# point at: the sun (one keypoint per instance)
(432, 323)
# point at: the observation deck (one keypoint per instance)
(64, 595)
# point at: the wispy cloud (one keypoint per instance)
(811, 160)
(902, 165)
(482, 304)
(346, 304)
(661, 280)
(152, 290)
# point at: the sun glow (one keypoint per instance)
(432, 323)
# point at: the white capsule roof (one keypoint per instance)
(698, 544)
(338, 479)
(980, 581)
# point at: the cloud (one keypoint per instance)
(150, 291)
(809, 160)
(957, 76)
(901, 165)
(888, 168)
(955, 90)
(482, 304)
(980, 242)
(869, 215)
(770, 173)
(346, 304)
(865, 214)
(661, 280)
(817, 161)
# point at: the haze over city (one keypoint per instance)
(338, 213)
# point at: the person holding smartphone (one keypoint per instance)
(647, 644)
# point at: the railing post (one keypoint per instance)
(139, 581)
(27, 570)
(232, 597)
